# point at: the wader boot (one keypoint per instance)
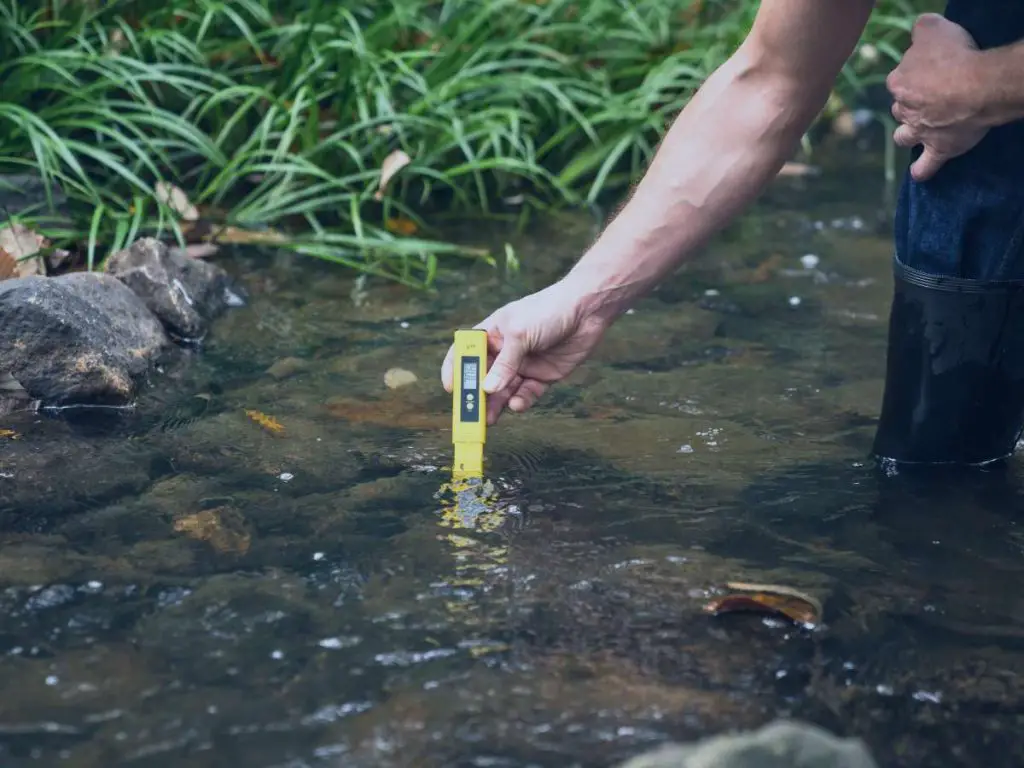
(954, 388)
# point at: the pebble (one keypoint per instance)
(286, 477)
(794, 301)
(809, 261)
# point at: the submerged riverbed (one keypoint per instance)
(264, 565)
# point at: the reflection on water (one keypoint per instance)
(181, 585)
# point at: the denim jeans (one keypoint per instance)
(968, 220)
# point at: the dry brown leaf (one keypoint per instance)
(223, 528)
(23, 245)
(8, 266)
(236, 236)
(392, 164)
(9, 434)
(176, 199)
(767, 598)
(401, 226)
(399, 377)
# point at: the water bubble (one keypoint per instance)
(685, 448)
(52, 680)
(318, 556)
(794, 301)
(277, 655)
(286, 477)
(711, 292)
(884, 690)
(404, 324)
(809, 261)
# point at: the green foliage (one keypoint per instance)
(280, 114)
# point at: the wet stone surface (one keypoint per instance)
(266, 562)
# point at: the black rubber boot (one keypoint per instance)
(954, 386)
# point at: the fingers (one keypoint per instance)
(927, 165)
(446, 369)
(505, 367)
(905, 137)
(926, 22)
(899, 112)
(526, 395)
(497, 402)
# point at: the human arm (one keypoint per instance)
(947, 93)
(722, 150)
(726, 145)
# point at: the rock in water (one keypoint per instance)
(782, 744)
(186, 294)
(78, 338)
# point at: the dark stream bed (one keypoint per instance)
(181, 585)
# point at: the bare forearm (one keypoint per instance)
(721, 152)
(1000, 75)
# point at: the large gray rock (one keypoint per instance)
(185, 293)
(78, 338)
(782, 744)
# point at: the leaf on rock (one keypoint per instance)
(8, 266)
(23, 245)
(767, 599)
(269, 423)
(392, 164)
(176, 199)
(9, 434)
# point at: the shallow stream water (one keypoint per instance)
(184, 586)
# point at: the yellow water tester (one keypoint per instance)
(469, 403)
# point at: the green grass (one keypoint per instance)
(280, 114)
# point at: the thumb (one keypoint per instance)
(927, 165)
(506, 365)
(927, 23)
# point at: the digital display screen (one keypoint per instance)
(469, 375)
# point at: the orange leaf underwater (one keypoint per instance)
(767, 599)
(269, 423)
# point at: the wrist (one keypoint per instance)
(995, 85)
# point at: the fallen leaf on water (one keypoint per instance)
(767, 598)
(269, 423)
(399, 377)
(176, 199)
(401, 226)
(10, 434)
(223, 528)
(392, 164)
